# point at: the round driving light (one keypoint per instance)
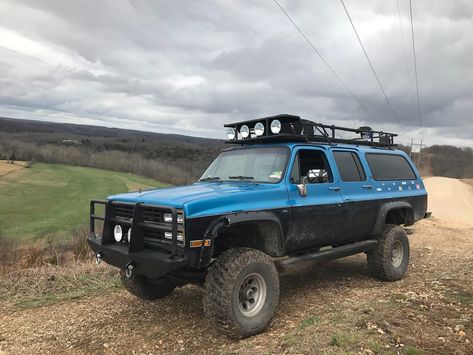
(259, 129)
(244, 131)
(231, 133)
(118, 233)
(129, 235)
(276, 126)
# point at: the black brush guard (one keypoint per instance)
(143, 260)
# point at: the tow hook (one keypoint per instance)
(129, 269)
(98, 258)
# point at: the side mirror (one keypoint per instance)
(313, 176)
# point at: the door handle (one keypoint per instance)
(334, 188)
(367, 186)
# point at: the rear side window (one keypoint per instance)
(390, 167)
(349, 166)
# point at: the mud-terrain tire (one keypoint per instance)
(147, 288)
(389, 261)
(241, 292)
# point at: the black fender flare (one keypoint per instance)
(385, 209)
(232, 219)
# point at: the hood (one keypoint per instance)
(205, 198)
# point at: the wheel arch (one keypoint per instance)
(396, 212)
(261, 230)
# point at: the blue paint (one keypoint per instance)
(216, 198)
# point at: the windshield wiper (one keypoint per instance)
(240, 177)
(210, 178)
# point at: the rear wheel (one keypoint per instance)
(241, 292)
(147, 288)
(389, 261)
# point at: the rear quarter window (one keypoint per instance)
(349, 166)
(390, 167)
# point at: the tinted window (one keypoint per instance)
(349, 166)
(390, 167)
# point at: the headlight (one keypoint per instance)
(118, 233)
(231, 133)
(259, 129)
(244, 131)
(275, 126)
(168, 235)
(168, 218)
(129, 235)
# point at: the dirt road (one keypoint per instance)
(450, 200)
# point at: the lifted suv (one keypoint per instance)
(289, 192)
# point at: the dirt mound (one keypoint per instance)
(450, 200)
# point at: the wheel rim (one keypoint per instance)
(397, 253)
(252, 295)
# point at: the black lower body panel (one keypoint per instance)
(145, 262)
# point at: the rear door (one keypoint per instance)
(318, 217)
(357, 192)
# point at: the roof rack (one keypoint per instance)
(291, 128)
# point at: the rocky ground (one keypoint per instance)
(335, 308)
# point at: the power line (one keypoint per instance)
(309, 42)
(370, 64)
(415, 63)
(408, 73)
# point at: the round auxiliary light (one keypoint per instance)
(118, 233)
(244, 131)
(275, 126)
(231, 133)
(259, 129)
(129, 235)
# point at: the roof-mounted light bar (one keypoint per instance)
(289, 128)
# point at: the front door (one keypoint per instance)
(319, 216)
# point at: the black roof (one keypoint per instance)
(296, 129)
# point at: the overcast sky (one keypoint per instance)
(190, 66)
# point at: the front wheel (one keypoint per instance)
(241, 292)
(389, 261)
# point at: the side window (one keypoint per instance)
(309, 160)
(349, 166)
(390, 167)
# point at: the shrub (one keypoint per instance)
(9, 253)
(80, 248)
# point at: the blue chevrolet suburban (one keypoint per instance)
(287, 192)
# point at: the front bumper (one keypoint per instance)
(145, 262)
(148, 255)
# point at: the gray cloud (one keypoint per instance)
(189, 67)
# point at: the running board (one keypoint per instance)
(326, 255)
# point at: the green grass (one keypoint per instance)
(50, 200)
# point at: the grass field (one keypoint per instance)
(50, 200)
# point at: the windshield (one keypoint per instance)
(266, 165)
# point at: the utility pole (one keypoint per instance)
(419, 156)
(412, 147)
(420, 153)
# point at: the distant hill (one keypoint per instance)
(20, 126)
(170, 158)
